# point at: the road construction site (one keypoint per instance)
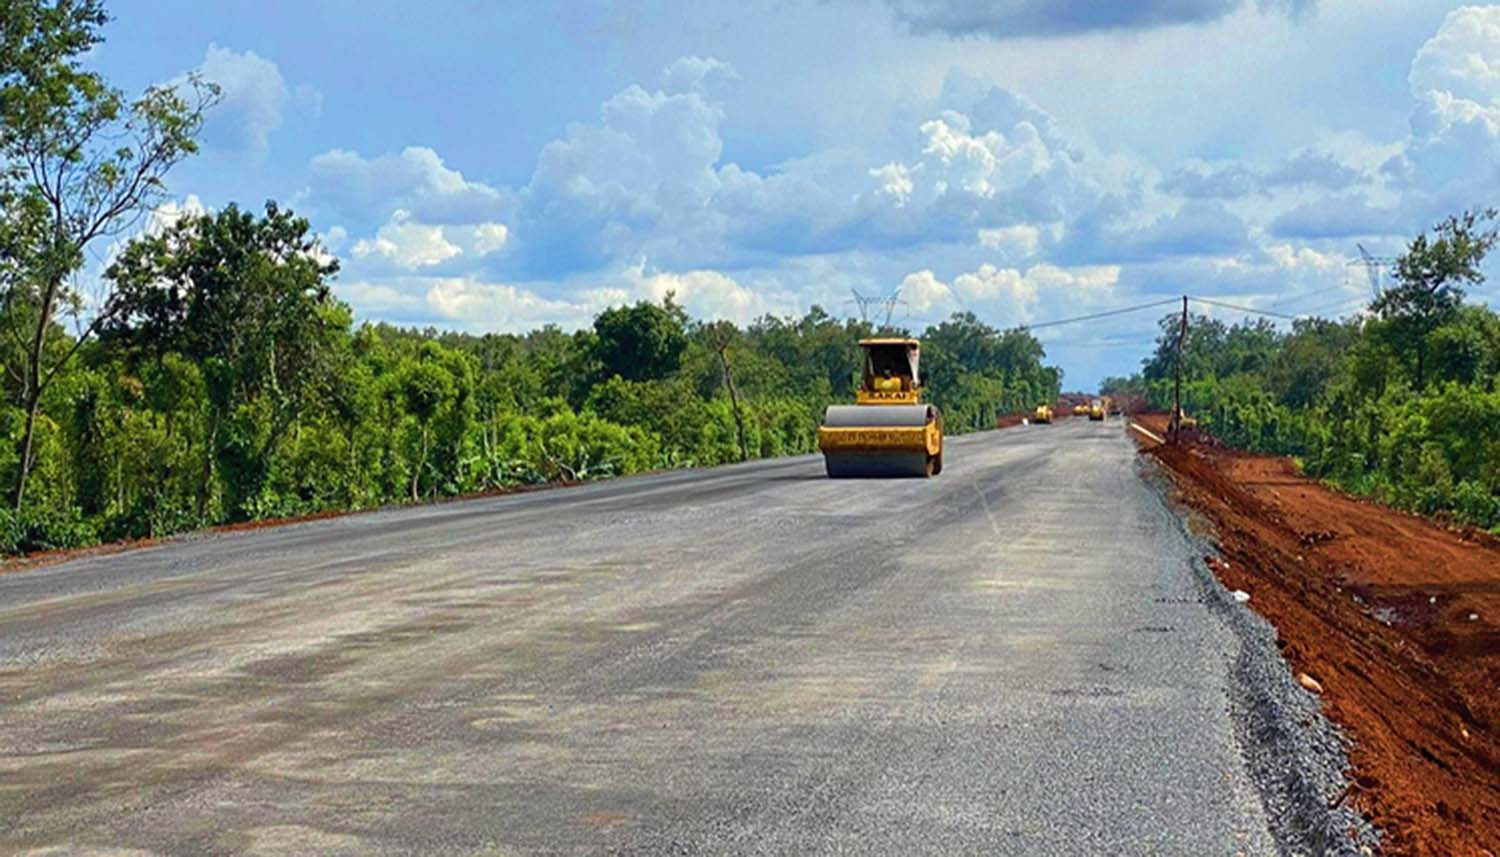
(1023, 655)
(1392, 619)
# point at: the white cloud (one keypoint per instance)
(924, 292)
(980, 164)
(415, 180)
(253, 100)
(1455, 81)
(894, 180)
(1450, 160)
(381, 299)
(691, 73)
(480, 305)
(1011, 295)
(484, 238)
(1463, 58)
(407, 244)
(169, 213)
(706, 293)
(334, 238)
(1013, 241)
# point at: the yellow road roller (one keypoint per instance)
(888, 431)
(1096, 411)
(1043, 414)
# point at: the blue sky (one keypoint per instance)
(490, 166)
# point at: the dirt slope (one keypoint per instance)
(1395, 616)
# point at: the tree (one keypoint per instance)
(247, 298)
(643, 342)
(1430, 280)
(78, 163)
(722, 334)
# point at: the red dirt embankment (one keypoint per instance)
(1394, 615)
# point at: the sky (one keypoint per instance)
(493, 166)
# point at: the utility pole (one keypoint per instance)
(1176, 422)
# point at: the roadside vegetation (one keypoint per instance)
(1400, 404)
(208, 374)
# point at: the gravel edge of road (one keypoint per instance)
(1295, 755)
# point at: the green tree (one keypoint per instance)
(1430, 280)
(247, 298)
(643, 342)
(79, 162)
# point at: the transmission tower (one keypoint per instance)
(1375, 268)
(887, 304)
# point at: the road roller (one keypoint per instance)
(1043, 414)
(888, 431)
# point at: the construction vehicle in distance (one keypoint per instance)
(1081, 409)
(1043, 414)
(1096, 411)
(887, 431)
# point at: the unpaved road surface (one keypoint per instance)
(1011, 658)
(1395, 615)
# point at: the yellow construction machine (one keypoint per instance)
(887, 431)
(1081, 409)
(1096, 411)
(1043, 414)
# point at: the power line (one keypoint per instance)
(1334, 305)
(1105, 314)
(1238, 308)
(1305, 295)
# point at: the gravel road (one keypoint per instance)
(1011, 658)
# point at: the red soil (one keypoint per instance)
(1397, 618)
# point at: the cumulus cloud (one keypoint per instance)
(987, 162)
(407, 244)
(470, 303)
(253, 100)
(1455, 81)
(477, 304)
(644, 175)
(704, 293)
(1016, 18)
(1450, 160)
(1019, 241)
(1009, 295)
(415, 181)
(1463, 58)
(696, 74)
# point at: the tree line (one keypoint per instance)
(1400, 403)
(211, 375)
(225, 382)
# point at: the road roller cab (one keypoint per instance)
(888, 431)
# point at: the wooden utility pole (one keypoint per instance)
(1176, 423)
